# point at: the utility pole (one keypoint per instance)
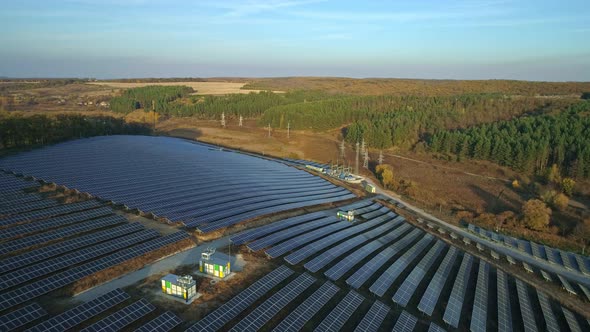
(154, 111)
(380, 157)
(356, 165)
(241, 121)
(269, 130)
(288, 130)
(366, 159)
(223, 119)
(342, 151)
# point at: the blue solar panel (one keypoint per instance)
(314, 247)
(131, 170)
(346, 264)
(165, 322)
(16, 296)
(341, 313)
(404, 293)
(373, 318)
(405, 323)
(20, 317)
(284, 234)
(368, 269)
(118, 320)
(526, 309)
(269, 308)
(333, 253)
(232, 308)
(306, 310)
(479, 314)
(385, 280)
(49, 212)
(504, 308)
(81, 313)
(259, 232)
(455, 303)
(430, 297)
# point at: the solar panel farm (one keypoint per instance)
(147, 233)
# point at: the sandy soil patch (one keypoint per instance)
(201, 88)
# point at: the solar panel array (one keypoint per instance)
(34, 256)
(385, 280)
(55, 264)
(569, 260)
(331, 254)
(347, 263)
(259, 232)
(165, 322)
(373, 318)
(526, 309)
(269, 308)
(479, 314)
(54, 222)
(131, 170)
(28, 206)
(504, 307)
(20, 317)
(572, 322)
(404, 293)
(49, 212)
(19, 295)
(405, 323)
(455, 304)
(300, 240)
(314, 247)
(306, 310)
(75, 316)
(10, 184)
(122, 318)
(341, 313)
(368, 269)
(282, 235)
(41, 238)
(550, 320)
(232, 308)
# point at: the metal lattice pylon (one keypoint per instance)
(241, 119)
(366, 159)
(380, 157)
(223, 119)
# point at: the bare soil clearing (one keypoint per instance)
(201, 88)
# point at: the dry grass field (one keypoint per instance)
(201, 88)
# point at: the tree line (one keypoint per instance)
(529, 144)
(385, 121)
(177, 101)
(17, 131)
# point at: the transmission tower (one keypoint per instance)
(288, 130)
(342, 151)
(380, 157)
(356, 164)
(363, 146)
(241, 120)
(269, 130)
(223, 119)
(366, 159)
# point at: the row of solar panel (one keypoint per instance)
(55, 281)
(569, 260)
(302, 314)
(76, 316)
(11, 184)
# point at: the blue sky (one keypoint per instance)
(513, 39)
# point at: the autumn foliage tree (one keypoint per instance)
(536, 215)
(385, 175)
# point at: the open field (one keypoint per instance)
(201, 88)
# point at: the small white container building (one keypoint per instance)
(183, 287)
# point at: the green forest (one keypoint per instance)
(25, 131)
(528, 144)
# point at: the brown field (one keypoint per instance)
(201, 88)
